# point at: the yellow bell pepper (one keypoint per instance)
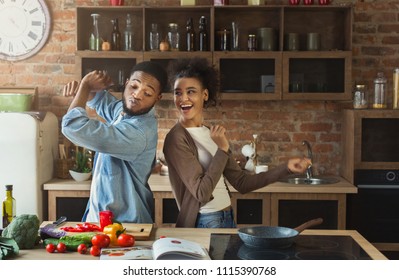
(113, 231)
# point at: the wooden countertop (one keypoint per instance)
(160, 183)
(199, 235)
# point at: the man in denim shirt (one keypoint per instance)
(125, 142)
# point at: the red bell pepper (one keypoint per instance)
(85, 227)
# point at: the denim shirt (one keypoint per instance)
(125, 149)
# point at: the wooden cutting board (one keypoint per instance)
(139, 231)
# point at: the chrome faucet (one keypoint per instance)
(309, 171)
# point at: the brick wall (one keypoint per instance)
(281, 125)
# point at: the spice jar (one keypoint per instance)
(360, 97)
(252, 42)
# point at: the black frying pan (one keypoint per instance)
(273, 237)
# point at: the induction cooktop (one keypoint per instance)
(305, 247)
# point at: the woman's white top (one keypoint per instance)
(206, 150)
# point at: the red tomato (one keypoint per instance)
(101, 240)
(308, 2)
(295, 2)
(126, 240)
(50, 248)
(61, 247)
(82, 249)
(95, 250)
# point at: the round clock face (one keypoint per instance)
(24, 28)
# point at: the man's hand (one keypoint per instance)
(70, 89)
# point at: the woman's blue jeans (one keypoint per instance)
(219, 219)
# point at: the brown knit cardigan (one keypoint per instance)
(192, 185)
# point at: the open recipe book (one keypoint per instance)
(162, 249)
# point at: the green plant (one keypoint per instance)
(81, 161)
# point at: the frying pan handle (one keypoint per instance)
(309, 224)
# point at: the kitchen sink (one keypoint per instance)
(309, 181)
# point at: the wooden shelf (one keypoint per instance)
(240, 71)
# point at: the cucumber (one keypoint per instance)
(72, 241)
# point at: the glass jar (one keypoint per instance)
(94, 40)
(252, 42)
(380, 91)
(223, 40)
(360, 97)
(173, 36)
(154, 37)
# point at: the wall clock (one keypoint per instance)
(24, 28)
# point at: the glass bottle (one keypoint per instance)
(154, 37)
(380, 91)
(360, 97)
(128, 35)
(395, 89)
(94, 41)
(9, 207)
(116, 36)
(173, 36)
(190, 35)
(203, 35)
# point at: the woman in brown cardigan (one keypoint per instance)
(198, 157)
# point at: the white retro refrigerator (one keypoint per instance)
(28, 148)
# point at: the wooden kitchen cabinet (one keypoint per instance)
(249, 75)
(293, 209)
(266, 206)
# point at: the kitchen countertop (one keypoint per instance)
(199, 235)
(160, 183)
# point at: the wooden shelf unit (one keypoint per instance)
(326, 74)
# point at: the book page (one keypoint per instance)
(127, 253)
(176, 248)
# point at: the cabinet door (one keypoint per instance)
(293, 209)
(324, 73)
(249, 75)
(317, 75)
(251, 208)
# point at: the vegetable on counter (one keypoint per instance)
(101, 240)
(72, 242)
(8, 247)
(85, 227)
(24, 230)
(113, 231)
(125, 240)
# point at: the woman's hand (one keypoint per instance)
(218, 135)
(299, 165)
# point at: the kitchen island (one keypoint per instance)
(258, 207)
(201, 236)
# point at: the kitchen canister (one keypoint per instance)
(313, 42)
(266, 40)
(292, 42)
